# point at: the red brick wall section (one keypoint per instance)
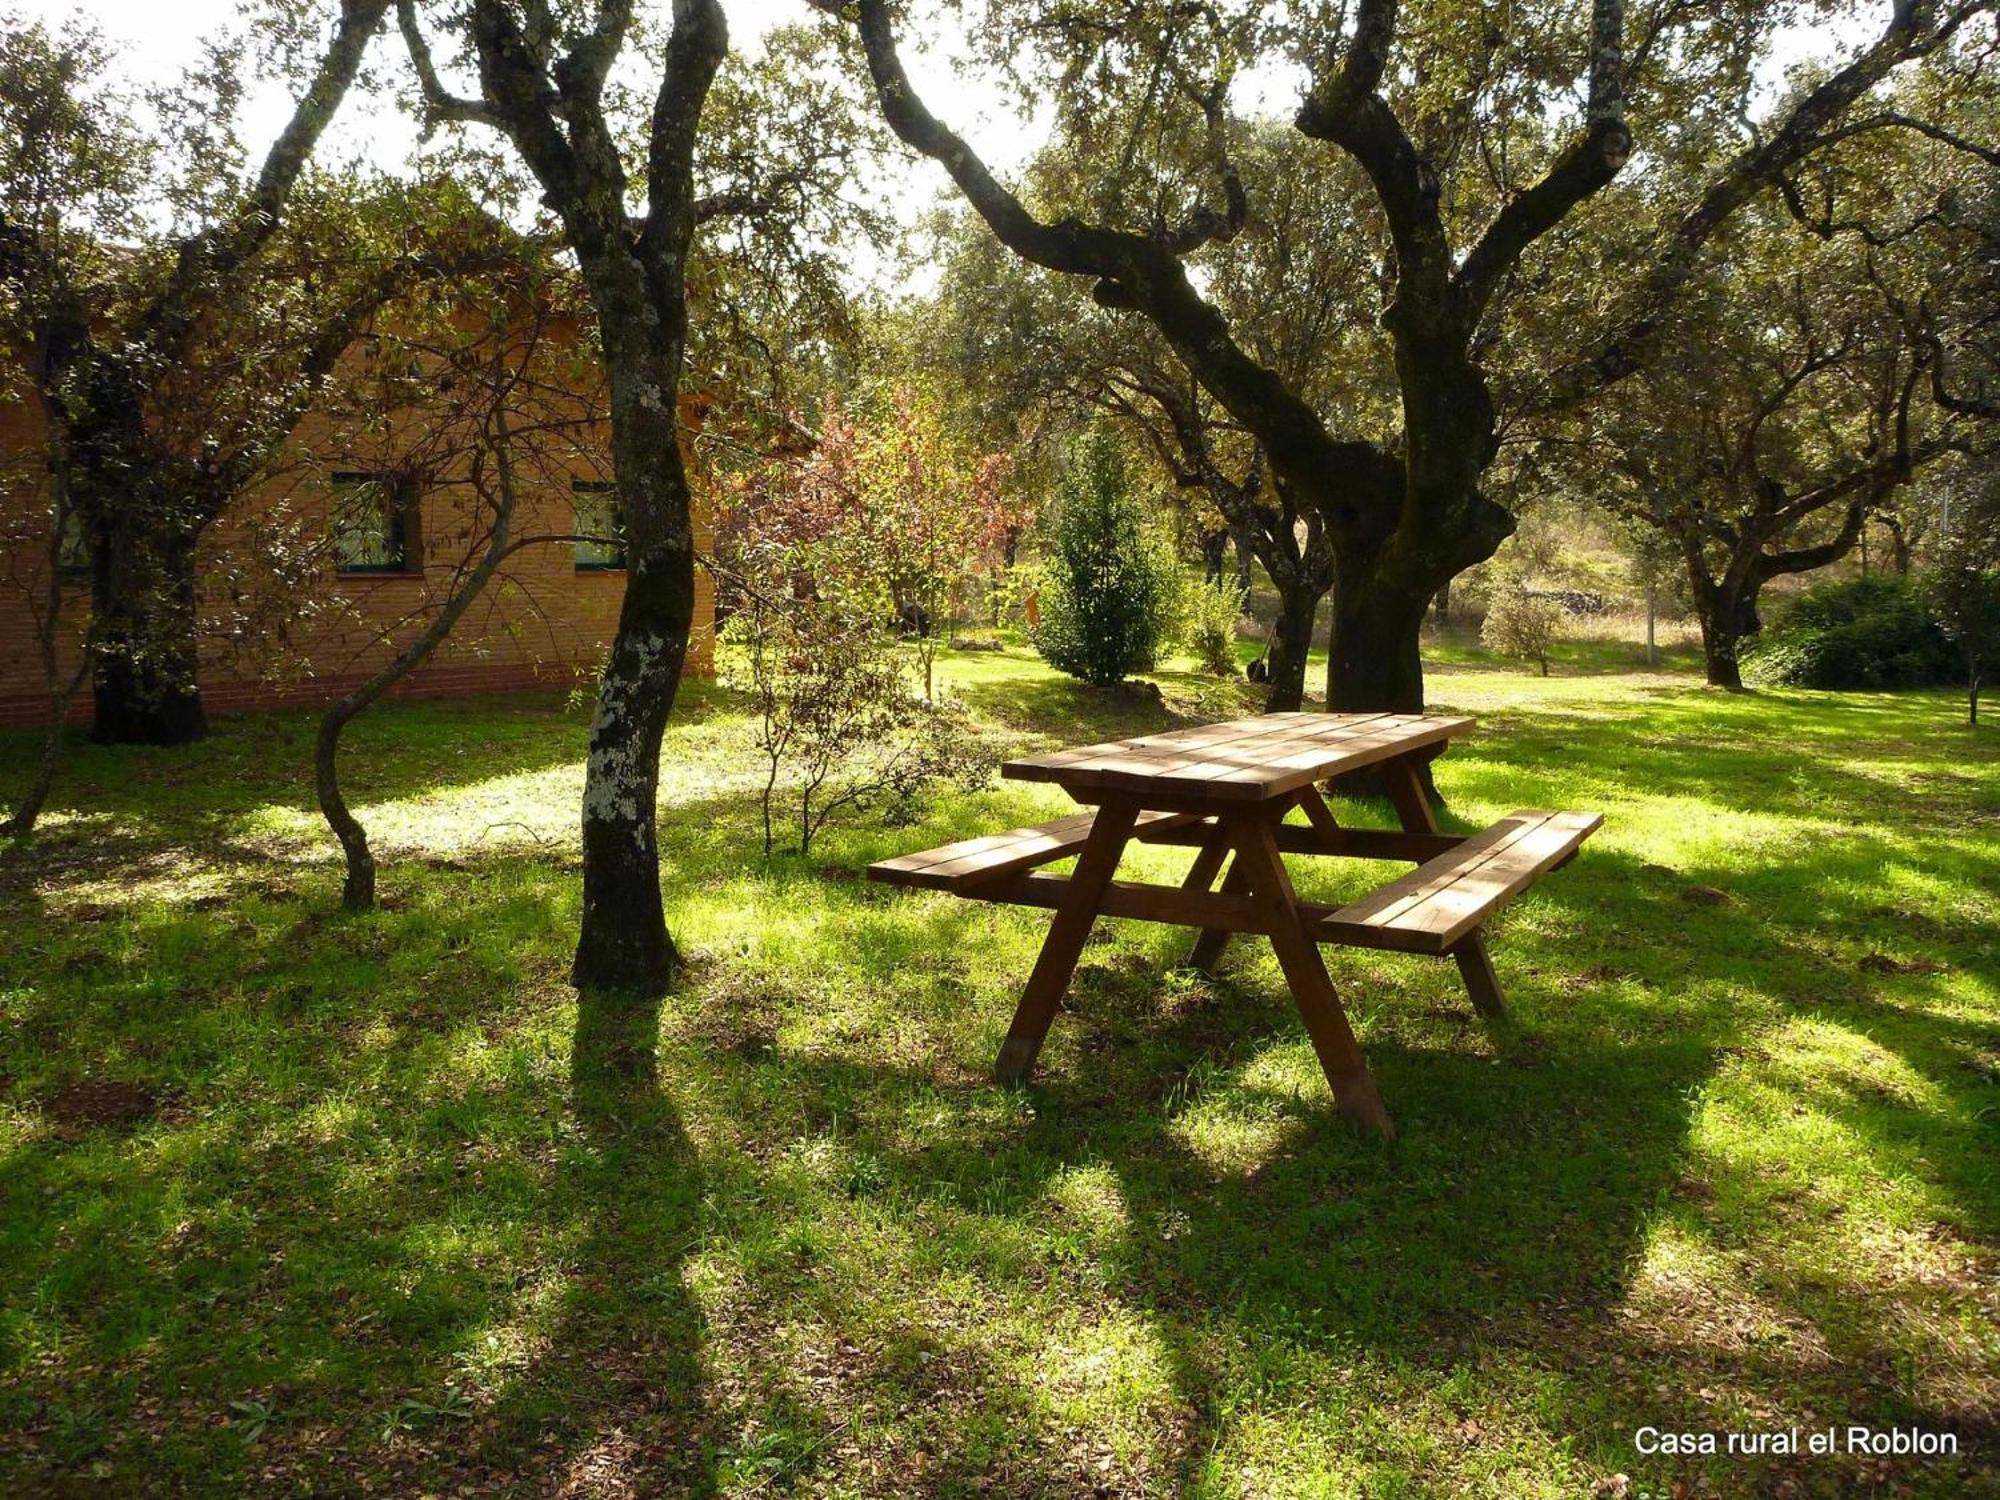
(540, 623)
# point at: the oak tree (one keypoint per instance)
(1478, 141)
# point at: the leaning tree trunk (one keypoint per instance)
(357, 888)
(62, 686)
(145, 663)
(28, 807)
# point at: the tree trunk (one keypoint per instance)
(1214, 554)
(1721, 634)
(357, 890)
(1375, 660)
(1387, 569)
(625, 957)
(1652, 616)
(28, 809)
(357, 887)
(1291, 641)
(1442, 603)
(143, 593)
(1243, 553)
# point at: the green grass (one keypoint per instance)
(1734, 1166)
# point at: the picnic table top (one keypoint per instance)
(1241, 760)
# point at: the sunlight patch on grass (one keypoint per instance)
(1731, 1161)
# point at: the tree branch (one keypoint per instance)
(694, 52)
(440, 104)
(1585, 167)
(222, 248)
(1915, 29)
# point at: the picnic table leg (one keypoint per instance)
(1320, 816)
(1207, 950)
(1340, 1058)
(1475, 965)
(1207, 860)
(1095, 866)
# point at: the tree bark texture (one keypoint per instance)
(552, 109)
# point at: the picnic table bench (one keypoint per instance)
(1226, 790)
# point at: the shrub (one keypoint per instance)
(1212, 608)
(1857, 634)
(1964, 597)
(841, 725)
(1110, 588)
(1521, 624)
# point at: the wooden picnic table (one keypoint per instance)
(1225, 790)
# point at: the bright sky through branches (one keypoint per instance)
(157, 41)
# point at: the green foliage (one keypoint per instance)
(1964, 597)
(1520, 624)
(1210, 609)
(1856, 634)
(1109, 600)
(821, 554)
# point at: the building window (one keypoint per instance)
(375, 526)
(600, 527)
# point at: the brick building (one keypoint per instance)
(382, 495)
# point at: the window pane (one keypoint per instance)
(599, 526)
(368, 530)
(73, 553)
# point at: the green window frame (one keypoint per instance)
(376, 525)
(598, 515)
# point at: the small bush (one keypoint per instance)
(1964, 598)
(1521, 624)
(1110, 592)
(1858, 634)
(1212, 608)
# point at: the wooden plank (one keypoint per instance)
(1475, 967)
(1346, 843)
(1406, 794)
(1405, 783)
(950, 867)
(1239, 761)
(1141, 901)
(1340, 1058)
(1073, 765)
(1075, 915)
(1214, 937)
(1436, 905)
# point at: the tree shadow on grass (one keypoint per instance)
(1523, 1179)
(614, 1399)
(428, 1275)
(1535, 1164)
(1078, 714)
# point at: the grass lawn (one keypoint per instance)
(296, 1201)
